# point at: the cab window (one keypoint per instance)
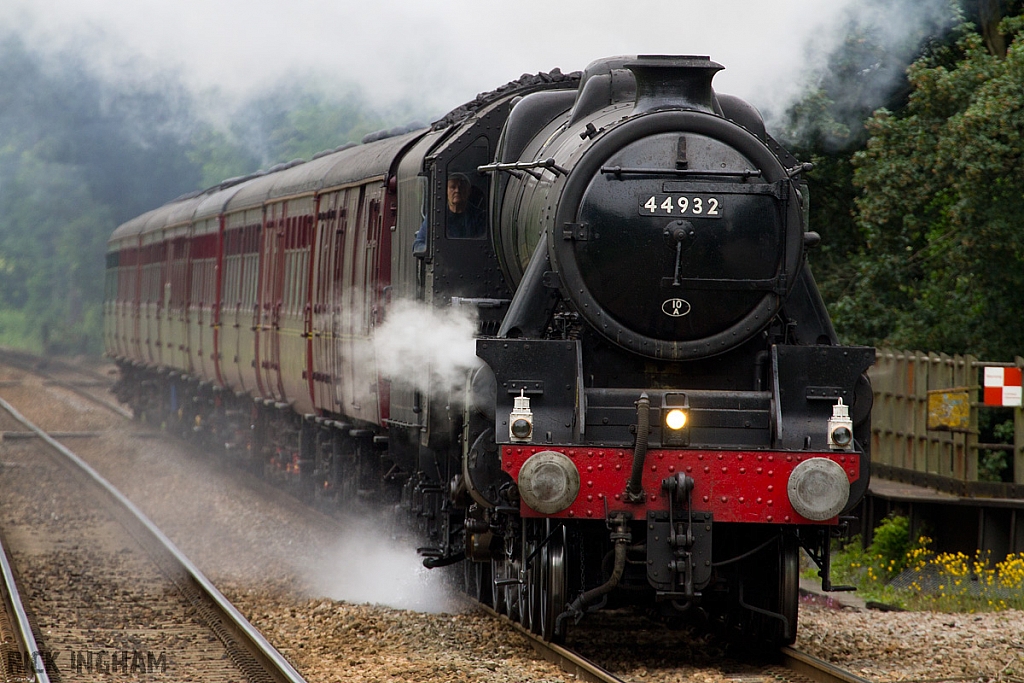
(466, 191)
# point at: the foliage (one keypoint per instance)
(80, 154)
(298, 122)
(826, 127)
(995, 426)
(14, 331)
(955, 582)
(219, 156)
(918, 208)
(886, 557)
(992, 465)
(77, 157)
(864, 569)
(941, 187)
(891, 543)
(897, 571)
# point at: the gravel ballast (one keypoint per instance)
(288, 569)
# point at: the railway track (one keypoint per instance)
(16, 637)
(816, 669)
(106, 590)
(85, 382)
(792, 665)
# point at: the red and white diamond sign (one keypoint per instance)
(1002, 386)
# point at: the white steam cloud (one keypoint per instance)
(439, 54)
(860, 58)
(430, 348)
(368, 565)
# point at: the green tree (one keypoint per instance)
(317, 124)
(80, 154)
(298, 120)
(826, 126)
(54, 234)
(219, 156)
(941, 194)
(293, 121)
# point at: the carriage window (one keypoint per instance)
(466, 193)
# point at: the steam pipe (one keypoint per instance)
(534, 301)
(435, 562)
(622, 539)
(634, 487)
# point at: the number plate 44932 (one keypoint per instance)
(693, 206)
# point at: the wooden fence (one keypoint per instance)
(902, 445)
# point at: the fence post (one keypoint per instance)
(937, 442)
(959, 455)
(922, 378)
(971, 447)
(946, 448)
(1018, 437)
(881, 414)
(905, 424)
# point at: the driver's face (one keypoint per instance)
(458, 195)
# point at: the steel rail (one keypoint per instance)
(805, 665)
(570, 662)
(226, 621)
(79, 391)
(817, 669)
(15, 610)
(25, 361)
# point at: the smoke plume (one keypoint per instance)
(370, 565)
(431, 348)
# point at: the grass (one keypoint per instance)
(15, 333)
(910, 575)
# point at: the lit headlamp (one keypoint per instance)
(675, 420)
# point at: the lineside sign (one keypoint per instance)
(949, 410)
(1002, 387)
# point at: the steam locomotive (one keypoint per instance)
(661, 413)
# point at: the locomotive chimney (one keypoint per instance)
(668, 80)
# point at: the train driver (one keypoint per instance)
(465, 217)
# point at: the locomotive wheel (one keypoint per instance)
(507, 594)
(544, 588)
(322, 474)
(552, 588)
(497, 589)
(483, 581)
(514, 593)
(470, 586)
(346, 474)
(789, 588)
(781, 596)
(477, 578)
(769, 590)
(531, 600)
(532, 535)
